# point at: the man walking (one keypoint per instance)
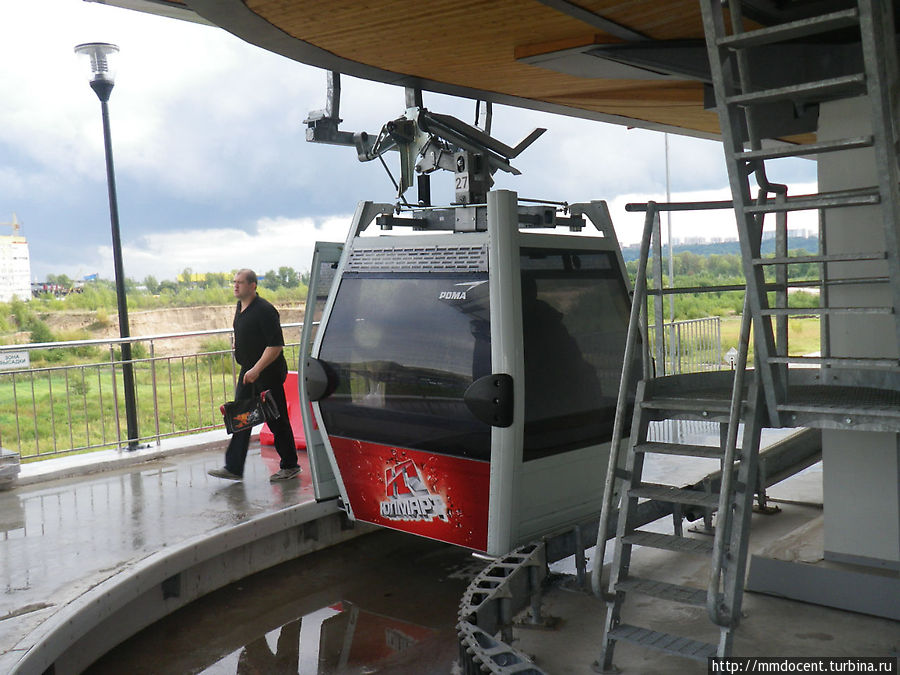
(258, 349)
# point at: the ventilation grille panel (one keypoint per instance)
(419, 259)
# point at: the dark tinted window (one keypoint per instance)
(575, 311)
(405, 349)
(323, 287)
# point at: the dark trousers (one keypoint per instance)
(236, 454)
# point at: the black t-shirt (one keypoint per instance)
(256, 328)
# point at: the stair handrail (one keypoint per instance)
(718, 613)
(637, 308)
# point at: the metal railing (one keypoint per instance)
(66, 397)
(691, 346)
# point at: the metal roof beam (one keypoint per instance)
(594, 19)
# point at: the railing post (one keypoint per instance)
(115, 388)
(155, 391)
(718, 343)
(658, 300)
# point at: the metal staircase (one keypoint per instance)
(847, 391)
(730, 399)
(839, 392)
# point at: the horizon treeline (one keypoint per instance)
(286, 286)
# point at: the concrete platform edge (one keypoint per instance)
(846, 589)
(117, 608)
(70, 466)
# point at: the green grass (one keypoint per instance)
(803, 335)
(58, 409)
(71, 403)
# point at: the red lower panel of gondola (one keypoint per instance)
(435, 496)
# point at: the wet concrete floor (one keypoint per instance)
(385, 602)
(59, 538)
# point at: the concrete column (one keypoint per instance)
(861, 469)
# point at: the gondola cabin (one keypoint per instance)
(464, 375)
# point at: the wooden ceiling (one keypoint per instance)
(505, 51)
(474, 44)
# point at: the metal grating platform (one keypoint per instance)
(665, 591)
(668, 493)
(862, 398)
(842, 407)
(664, 642)
(668, 542)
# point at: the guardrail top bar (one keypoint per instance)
(679, 206)
(131, 339)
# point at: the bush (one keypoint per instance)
(101, 318)
(79, 387)
(40, 331)
(139, 351)
(81, 352)
(20, 312)
(217, 355)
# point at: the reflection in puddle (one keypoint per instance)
(341, 638)
(383, 603)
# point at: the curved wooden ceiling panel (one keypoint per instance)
(475, 48)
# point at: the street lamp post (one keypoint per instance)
(102, 81)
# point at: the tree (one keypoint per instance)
(288, 277)
(271, 280)
(61, 280)
(217, 280)
(185, 277)
(151, 284)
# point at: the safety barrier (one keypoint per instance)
(691, 346)
(65, 397)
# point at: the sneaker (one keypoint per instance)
(285, 474)
(224, 473)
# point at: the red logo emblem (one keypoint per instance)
(408, 497)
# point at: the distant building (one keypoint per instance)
(15, 264)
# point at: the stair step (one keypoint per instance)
(843, 86)
(782, 151)
(669, 493)
(820, 201)
(792, 30)
(664, 642)
(664, 591)
(680, 449)
(802, 311)
(695, 405)
(831, 257)
(668, 542)
(839, 361)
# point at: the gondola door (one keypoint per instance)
(403, 341)
(326, 257)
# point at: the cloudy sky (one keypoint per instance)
(212, 167)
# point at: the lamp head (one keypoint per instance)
(102, 72)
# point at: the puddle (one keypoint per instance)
(384, 603)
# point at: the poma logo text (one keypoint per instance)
(452, 295)
(408, 497)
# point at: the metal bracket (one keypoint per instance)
(427, 141)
